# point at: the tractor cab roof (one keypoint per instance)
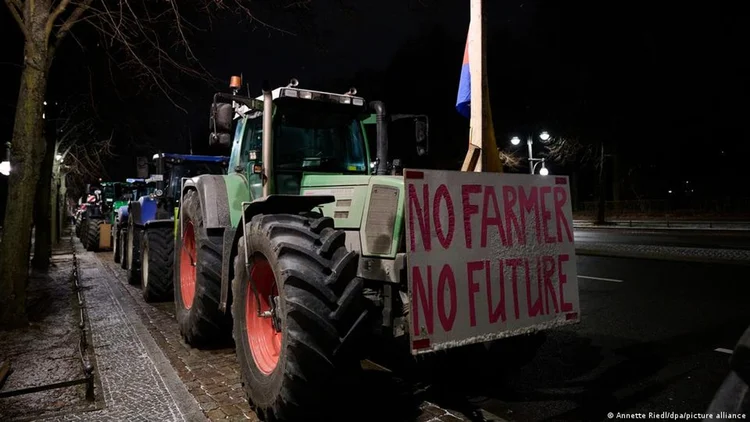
(178, 158)
(307, 94)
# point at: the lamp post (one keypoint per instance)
(533, 162)
(5, 165)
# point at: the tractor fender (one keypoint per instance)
(147, 208)
(272, 204)
(212, 192)
(159, 223)
(122, 214)
(134, 212)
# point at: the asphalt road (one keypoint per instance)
(646, 343)
(684, 238)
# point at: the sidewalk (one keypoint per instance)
(665, 253)
(142, 368)
(664, 224)
(133, 379)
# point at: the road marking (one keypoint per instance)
(723, 350)
(600, 279)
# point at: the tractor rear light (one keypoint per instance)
(381, 219)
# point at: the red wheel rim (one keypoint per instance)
(264, 341)
(188, 266)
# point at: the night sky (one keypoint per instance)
(664, 85)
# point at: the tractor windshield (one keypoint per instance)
(189, 169)
(319, 139)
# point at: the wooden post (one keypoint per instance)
(476, 41)
(482, 154)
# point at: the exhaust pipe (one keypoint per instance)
(381, 125)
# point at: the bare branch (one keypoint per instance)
(53, 17)
(15, 9)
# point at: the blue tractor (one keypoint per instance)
(149, 251)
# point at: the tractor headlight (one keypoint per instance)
(158, 193)
(381, 219)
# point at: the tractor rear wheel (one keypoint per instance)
(134, 253)
(296, 341)
(115, 244)
(84, 230)
(197, 278)
(157, 253)
(92, 234)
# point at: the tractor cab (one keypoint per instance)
(170, 169)
(309, 133)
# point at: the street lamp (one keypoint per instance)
(59, 157)
(5, 165)
(543, 171)
(544, 136)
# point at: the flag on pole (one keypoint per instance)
(463, 102)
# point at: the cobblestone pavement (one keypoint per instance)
(673, 253)
(137, 382)
(212, 376)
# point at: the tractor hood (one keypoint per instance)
(372, 204)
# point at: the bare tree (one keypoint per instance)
(567, 150)
(147, 38)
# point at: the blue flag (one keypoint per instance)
(463, 101)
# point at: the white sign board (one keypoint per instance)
(488, 256)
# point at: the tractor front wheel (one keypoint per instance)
(297, 308)
(157, 255)
(122, 240)
(197, 278)
(134, 253)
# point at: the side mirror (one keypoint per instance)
(422, 135)
(220, 124)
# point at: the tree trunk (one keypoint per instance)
(42, 212)
(600, 204)
(28, 147)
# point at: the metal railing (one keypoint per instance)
(83, 344)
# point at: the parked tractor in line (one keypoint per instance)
(299, 250)
(150, 231)
(134, 190)
(95, 226)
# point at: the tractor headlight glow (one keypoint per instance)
(306, 95)
(346, 100)
(358, 101)
(381, 219)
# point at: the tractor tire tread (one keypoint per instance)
(203, 324)
(322, 307)
(160, 244)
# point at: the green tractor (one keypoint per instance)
(126, 192)
(299, 251)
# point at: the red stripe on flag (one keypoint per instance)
(412, 174)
